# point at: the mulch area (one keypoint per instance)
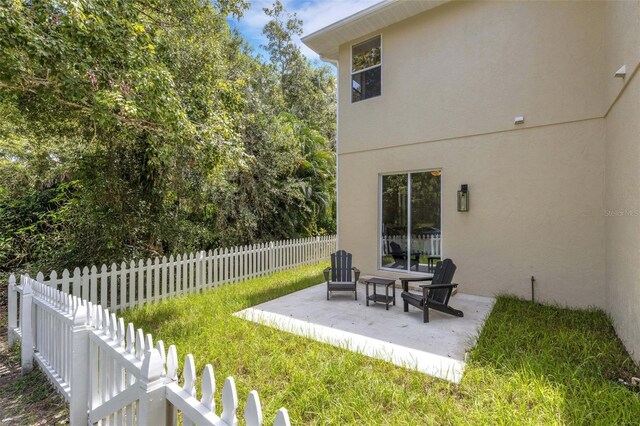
(28, 399)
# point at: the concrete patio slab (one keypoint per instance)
(437, 348)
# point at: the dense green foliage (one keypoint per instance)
(142, 127)
(532, 364)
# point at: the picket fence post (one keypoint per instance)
(79, 380)
(152, 404)
(201, 272)
(26, 326)
(271, 257)
(12, 322)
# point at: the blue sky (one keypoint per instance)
(315, 14)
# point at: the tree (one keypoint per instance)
(146, 127)
(280, 32)
(309, 106)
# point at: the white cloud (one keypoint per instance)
(315, 14)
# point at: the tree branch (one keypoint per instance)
(140, 124)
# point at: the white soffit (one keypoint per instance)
(327, 40)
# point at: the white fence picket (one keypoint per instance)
(77, 280)
(92, 283)
(12, 310)
(140, 272)
(113, 287)
(216, 268)
(148, 274)
(65, 281)
(123, 287)
(163, 280)
(184, 274)
(156, 279)
(187, 274)
(131, 289)
(223, 266)
(103, 285)
(171, 285)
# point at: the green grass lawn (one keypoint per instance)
(533, 364)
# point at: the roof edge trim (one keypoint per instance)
(361, 14)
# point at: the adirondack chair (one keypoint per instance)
(400, 257)
(435, 295)
(341, 276)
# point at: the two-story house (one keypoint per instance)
(533, 108)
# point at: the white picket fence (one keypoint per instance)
(110, 374)
(115, 375)
(135, 283)
(428, 245)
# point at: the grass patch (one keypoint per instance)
(533, 364)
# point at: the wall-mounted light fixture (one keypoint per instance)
(622, 72)
(519, 119)
(463, 198)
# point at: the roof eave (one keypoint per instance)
(326, 41)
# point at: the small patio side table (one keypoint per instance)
(381, 298)
(431, 262)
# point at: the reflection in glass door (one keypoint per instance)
(394, 221)
(410, 238)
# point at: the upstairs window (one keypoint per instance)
(366, 70)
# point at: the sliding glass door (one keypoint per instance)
(410, 238)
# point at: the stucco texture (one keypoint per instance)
(622, 188)
(536, 200)
(470, 68)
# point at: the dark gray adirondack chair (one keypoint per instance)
(435, 295)
(341, 276)
(400, 257)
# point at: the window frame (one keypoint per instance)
(351, 72)
(379, 236)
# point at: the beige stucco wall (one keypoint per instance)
(557, 197)
(622, 45)
(622, 188)
(469, 68)
(454, 78)
(536, 200)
